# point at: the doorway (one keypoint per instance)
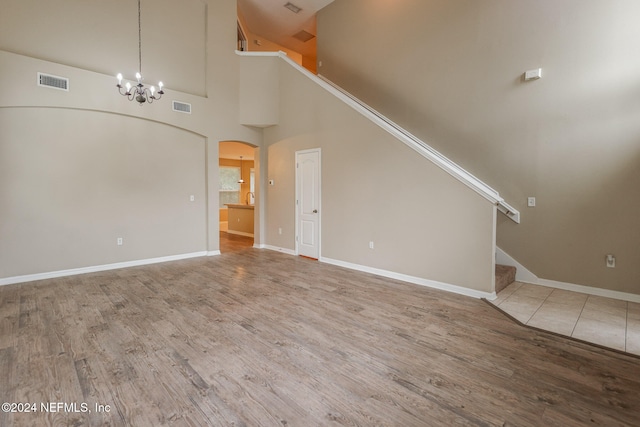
(308, 203)
(237, 165)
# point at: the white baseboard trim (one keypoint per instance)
(97, 268)
(524, 275)
(277, 249)
(213, 253)
(590, 290)
(412, 279)
(240, 233)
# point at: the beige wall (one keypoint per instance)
(68, 192)
(451, 73)
(423, 222)
(259, 94)
(83, 167)
(103, 37)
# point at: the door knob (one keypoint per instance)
(315, 211)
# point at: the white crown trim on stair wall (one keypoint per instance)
(526, 276)
(402, 135)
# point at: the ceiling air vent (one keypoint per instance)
(181, 107)
(55, 82)
(292, 7)
(303, 36)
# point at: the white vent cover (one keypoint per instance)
(303, 36)
(181, 107)
(55, 82)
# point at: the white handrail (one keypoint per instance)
(403, 135)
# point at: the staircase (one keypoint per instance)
(505, 275)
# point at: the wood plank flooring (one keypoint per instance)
(258, 338)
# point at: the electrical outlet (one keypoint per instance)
(371, 245)
(611, 261)
(119, 241)
(192, 198)
(279, 230)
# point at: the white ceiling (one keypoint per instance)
(271, 20)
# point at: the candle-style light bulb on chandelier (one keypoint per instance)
(139, 92)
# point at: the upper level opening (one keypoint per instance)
(280, 25)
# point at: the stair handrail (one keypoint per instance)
(403, 135)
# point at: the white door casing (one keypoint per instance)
(308, 203)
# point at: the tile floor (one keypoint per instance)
(605, 321)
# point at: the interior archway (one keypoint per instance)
(239, 183)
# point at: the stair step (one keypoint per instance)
(505, 275)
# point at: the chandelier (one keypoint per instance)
(139, 92)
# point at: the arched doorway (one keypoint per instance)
(238, 193)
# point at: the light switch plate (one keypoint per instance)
(533, 74)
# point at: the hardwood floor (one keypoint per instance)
(258, 338)
(234, 242)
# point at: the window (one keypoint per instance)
(229, 186)
(252, 186)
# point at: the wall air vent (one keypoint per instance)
(55, 82)
(181, 107)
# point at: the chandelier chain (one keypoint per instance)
(139, 39)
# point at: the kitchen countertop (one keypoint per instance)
(239, 206)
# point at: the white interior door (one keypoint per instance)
(308, 203)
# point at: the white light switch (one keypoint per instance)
(533, 74)
(531, 202)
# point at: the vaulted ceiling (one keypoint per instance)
(275, 22)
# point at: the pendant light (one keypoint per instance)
(241, 181)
